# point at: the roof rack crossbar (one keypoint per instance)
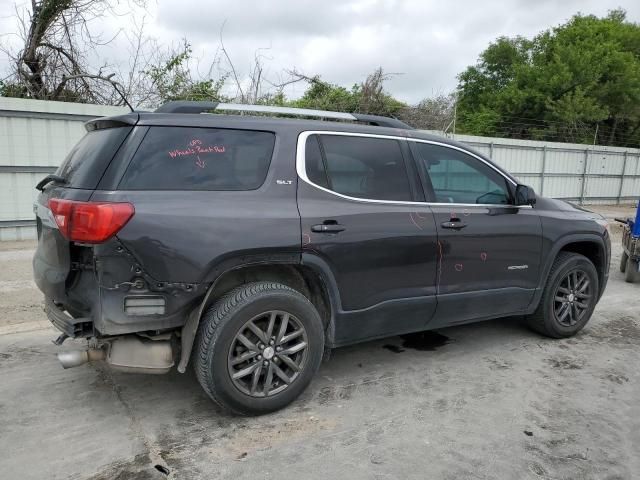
(184, 106)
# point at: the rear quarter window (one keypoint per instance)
(185, 158)
(87, 161)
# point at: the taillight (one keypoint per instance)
(90, 222)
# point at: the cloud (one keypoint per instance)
(426, 43)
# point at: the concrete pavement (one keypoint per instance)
(484, 401)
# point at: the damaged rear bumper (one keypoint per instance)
(71, 327)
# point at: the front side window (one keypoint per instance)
(460, 178)
(186, 158)
(360, 167)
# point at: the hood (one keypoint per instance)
(562, 205)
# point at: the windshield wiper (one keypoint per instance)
(48, 179)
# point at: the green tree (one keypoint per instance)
(560, 85)
(172, 80)
(368, 97)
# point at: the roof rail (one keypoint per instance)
(184, 106)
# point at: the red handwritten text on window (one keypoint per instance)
(196, 147)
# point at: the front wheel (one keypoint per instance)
(569, 297)
(258, 348)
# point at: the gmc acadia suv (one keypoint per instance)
(250, 245)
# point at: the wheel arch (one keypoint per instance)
(594, 251)
(591, 246)
(309, 279)
(299, 277)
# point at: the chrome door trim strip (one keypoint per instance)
(302, 173)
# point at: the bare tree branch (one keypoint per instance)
(233, 69)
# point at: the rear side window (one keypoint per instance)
(178, 158)
(361, 167)
(87, 161)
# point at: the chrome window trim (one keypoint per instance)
(302, 173)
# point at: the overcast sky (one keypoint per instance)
(426, 42)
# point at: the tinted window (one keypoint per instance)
(87, 161)
(314, 163)
(174, 158)
(460, 178)
(365, 167)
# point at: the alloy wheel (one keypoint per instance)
(268, 353)
(573, 298)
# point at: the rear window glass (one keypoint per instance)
(87, 161)
(177, 158)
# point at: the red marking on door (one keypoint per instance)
(200, 163)
(483, 256)
(439, 271)
(414, 221)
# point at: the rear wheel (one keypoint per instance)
(631, 274)
(258, 348)
(569, 297)
(623, 261)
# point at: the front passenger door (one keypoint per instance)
(488, 249)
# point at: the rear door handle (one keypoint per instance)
(328, 228)
(455, 225)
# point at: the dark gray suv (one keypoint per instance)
(249, 245)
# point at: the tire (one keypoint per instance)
(631, 274)
(623, 261)
(561, 319)
(227, 335)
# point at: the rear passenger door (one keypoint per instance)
(365, 224)
(489, 249)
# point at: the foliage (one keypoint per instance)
(13, 89)
(367, 97)
(52, 63)
(578, 82)
(435, 113)
(172, 80)
(559, 85)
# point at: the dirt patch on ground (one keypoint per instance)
(623, 330)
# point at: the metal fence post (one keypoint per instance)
(491, 150)
(624, 170)
(544, 168)
(584, 176)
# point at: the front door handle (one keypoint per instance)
(328, 228)
(454, 224)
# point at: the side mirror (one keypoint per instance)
(525, 195)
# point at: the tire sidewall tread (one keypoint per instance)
(219, 325)
(543, 320)
(631, 274)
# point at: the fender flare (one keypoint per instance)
(321, 268)
(190, 328)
